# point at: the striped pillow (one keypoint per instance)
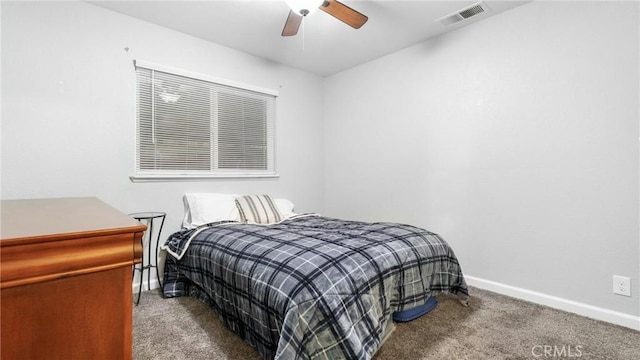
(258, 209)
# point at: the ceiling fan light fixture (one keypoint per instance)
(304, 7)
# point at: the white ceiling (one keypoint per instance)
(324, 45)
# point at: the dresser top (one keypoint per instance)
(33, 220)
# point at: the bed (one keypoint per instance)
(305, 286)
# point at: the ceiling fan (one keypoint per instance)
(302, 8)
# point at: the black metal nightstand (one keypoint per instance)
(149, 219)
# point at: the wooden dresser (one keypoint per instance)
(65, 275)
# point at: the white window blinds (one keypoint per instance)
(191, 125)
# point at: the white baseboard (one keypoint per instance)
(575, 307)
(154, 285)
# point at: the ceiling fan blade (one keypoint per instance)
(292, 25)
(344, 13)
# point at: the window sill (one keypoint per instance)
(193, 177)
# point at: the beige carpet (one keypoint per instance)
(492, 327)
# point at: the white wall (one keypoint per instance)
(68, 109)
(515, 138)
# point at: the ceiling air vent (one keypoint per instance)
(464, 14)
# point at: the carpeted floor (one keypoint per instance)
(492, 327)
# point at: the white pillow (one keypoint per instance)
(285, 206)
(203, 208)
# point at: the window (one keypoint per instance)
(191, 125)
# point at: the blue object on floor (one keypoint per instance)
(416, 312)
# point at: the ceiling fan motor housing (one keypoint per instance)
(304, 7)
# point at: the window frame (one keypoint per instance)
(182, 175)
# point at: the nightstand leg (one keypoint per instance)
(157, 251)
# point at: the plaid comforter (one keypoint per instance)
(311, 287)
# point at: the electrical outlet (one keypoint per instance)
(621, 285)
